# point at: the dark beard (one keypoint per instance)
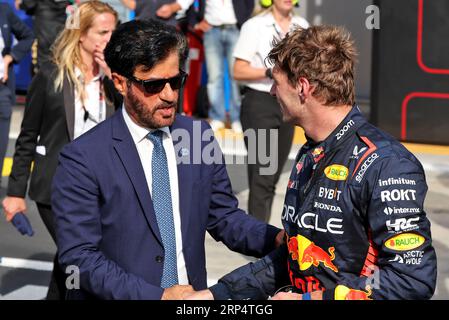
(142, 115)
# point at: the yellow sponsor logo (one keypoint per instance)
(344, 293)
(405, 242)
(336, 172)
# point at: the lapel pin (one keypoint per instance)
(184, 152)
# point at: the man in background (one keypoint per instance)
(49, 18)
(10, 25)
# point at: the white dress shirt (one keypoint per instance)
(219, 12)
(216, 12)
(94, 104)
(185, 4)
(255, 42)
(145, 149)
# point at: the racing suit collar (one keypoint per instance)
(353, 120)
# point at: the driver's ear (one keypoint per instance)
(120, 83)
(305, 89)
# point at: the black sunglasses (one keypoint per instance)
(154, 86)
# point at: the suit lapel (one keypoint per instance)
(127, 152)
(69, 106)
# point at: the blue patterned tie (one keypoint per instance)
(163, 208)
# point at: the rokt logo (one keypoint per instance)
(398, 194)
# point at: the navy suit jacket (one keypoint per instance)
(106, 225)
(11, 26)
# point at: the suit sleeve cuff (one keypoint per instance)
(272, 232)
(16, 189)
(14, 57)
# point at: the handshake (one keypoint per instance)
(186, 292)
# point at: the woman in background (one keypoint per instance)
(67, 97)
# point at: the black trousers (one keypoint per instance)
(261, 111)
(57, 287)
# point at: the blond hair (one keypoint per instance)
(325, 56)
(66, 50)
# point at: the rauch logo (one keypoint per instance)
(336, 172)
(404, 242)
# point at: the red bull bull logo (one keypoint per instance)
(318, 154)
(307, 254)
(300, 164)
(345, 293)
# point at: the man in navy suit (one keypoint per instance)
(110, 195)
(10, 26)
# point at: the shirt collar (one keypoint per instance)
(269, 20)
(139, 133)
(99, 75)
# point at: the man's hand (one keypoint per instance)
(7, 59)
(130, 4)
(12, 205)
(17, 4)
(316, 295)
(177, 292)
(279, 238)
(203, 26)
(167, 10)
(200, 295)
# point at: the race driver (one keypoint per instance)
(353, 211)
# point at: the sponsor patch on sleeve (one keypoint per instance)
(405, 242)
